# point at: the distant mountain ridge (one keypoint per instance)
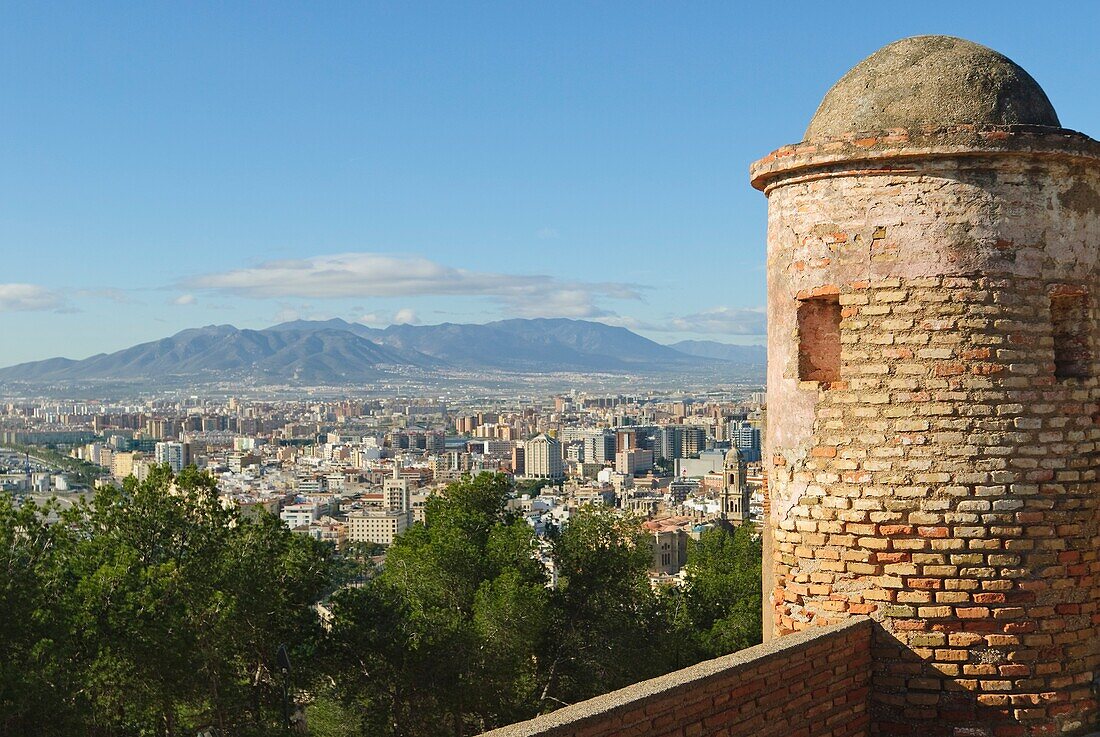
(539, 344)
(339, 352)
(750, 354)
(307, 355)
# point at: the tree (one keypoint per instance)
(664, 465)
(723, 591)
(608, 623)
(366, 669)
(173, 608)
(532, 487)
(157, 610)
(36, 647)
(444, 638)
(459, 632)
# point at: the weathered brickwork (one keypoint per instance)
(945, 483)
(933, 433)
(813, 684)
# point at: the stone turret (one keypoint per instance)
(932, 445)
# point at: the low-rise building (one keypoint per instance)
(669, 543)
(379, 526)
(300, 513)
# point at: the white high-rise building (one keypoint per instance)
(176, 455)
(542, 458)
(397, 494)
(599, 446)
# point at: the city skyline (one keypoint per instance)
(171, 168)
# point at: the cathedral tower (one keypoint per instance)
(734, 501)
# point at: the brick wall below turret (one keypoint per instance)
(809, 684)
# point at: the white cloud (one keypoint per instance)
(352, 275)
(726, 320)
(716, 320)
(560, 302)
(375, 319)
(384, 318)
(406, 316)
(185, 300)
(30, 298)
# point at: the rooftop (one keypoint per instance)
(931, 81)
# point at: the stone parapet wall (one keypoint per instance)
(809, 684)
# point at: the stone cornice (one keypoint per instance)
(894, 151)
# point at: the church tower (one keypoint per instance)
(932, 446)
(734, 503)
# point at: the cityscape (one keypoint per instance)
(429, 370)
(360, 471)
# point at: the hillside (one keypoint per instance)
(338, 352)
(744, 354)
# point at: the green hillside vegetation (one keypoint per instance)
(153, 610)
(460, 633)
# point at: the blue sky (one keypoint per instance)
(165, 166)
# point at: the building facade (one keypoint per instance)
(378, 526)
(176, 455)
(542, 458)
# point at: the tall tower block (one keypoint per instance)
(933, 364)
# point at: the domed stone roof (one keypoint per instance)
(932, 81)
(733, 455)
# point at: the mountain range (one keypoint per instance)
(334, 352)
(753, 355)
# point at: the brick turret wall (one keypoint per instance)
(940, 475)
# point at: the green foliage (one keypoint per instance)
(663, 465)
(154, 610)
(361, 552)
(36, 646)
(460, 633)
(328, 718)
(606, 618)
(723, 592)
(443, 640)
(532, 487)
(162, 609)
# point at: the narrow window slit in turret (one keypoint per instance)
(819, 339)
(1071, 326)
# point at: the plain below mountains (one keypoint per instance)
(334, 352)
